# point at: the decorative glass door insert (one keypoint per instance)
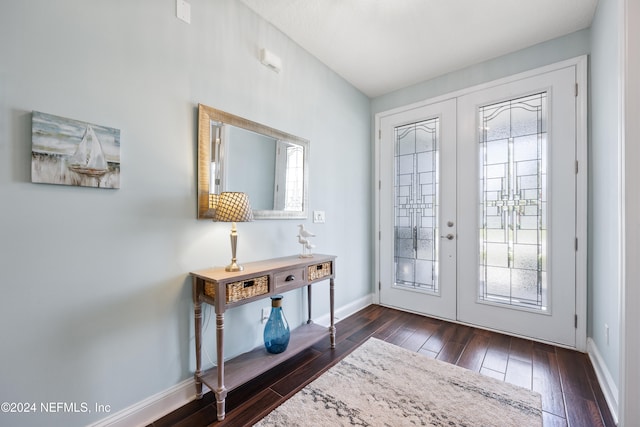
(513, 202)
(416, 208)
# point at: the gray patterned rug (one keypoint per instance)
(380, 384)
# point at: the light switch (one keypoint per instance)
(183, 11)
(318, 217)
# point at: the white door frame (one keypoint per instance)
(629, 386)
(580, 64)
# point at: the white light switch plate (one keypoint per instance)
(318, 217)
(183, 11)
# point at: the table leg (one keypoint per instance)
(197, 315)
(221, 391)
(332, 328)
(309, 304)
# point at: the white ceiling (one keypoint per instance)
(383, 45)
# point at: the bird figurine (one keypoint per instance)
(303, 239)
(305, 233)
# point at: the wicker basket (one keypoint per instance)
(319, 271)
(237, 291)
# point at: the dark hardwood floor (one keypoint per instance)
(570, 393)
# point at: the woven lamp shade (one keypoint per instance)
(233, 207)
(213, 200)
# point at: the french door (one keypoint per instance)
(477, 207)
(418, 206)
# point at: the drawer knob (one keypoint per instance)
(290, 278)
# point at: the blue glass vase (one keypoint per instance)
(276, 331)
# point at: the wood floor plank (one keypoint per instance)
(543, 347)
(571, 396)
(373, 311)
(414, 333)
(440, 337)
(582, 412)
(388, 329)
(252, 410)
(497, 353)
(521, 349)
(607, 418)
(371, 327)
(428, 353)
(451, 352)
(519, 372)
(573, 374)
(551, 420)
(400, 335)
(185, 411)
(297, 379)
(419, 337)
(473, 354)
(461, 334)
(546, 381)
(203, 417)
(351, 325)
(268, 379)
(492, 374)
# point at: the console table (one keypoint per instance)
(258, 280)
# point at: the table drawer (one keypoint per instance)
(237, 291)
(318, 271)
(290, 278)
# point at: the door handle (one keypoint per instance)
(448, 236)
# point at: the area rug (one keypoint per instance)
(380, 384)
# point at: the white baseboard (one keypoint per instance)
(153, 407)
(346, 310)
(607, 384)
(160, 404)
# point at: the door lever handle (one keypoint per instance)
(448, 236)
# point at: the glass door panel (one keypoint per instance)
(513, 201)
(416, 205)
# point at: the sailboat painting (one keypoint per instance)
(70, 152)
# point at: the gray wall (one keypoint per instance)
(96, 298)
(604, 195)
(556, 50)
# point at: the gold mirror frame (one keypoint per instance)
(208, 115)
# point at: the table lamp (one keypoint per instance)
(233, 207)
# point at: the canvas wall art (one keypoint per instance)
(71, 152)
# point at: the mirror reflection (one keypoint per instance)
(235, 154)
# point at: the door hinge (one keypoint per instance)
(577, 167)
(379, 185)
(576, 244)
(576, 89)
(379, 133)
(379, 235)
(379, 286)
(575, 321)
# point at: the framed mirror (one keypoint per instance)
(236, 154)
